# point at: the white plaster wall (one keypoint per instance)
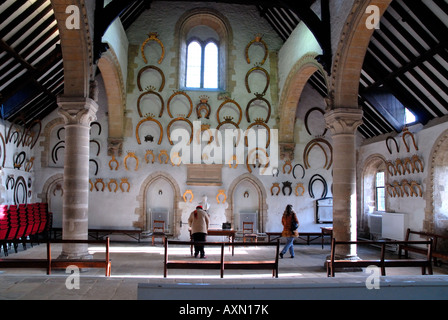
(424, 137)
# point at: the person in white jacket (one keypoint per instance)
(198, 222)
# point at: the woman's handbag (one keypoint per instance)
(294, 225)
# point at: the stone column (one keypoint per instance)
(77, 113)
(343, 123)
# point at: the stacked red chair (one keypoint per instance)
(4, 227)
(43, 212)
(14, 225)
(36, 214)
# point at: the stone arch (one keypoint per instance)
(435, 219)
(220, 24)
(370, 167)
(141, 210)
(262, 196)
(47, 188)
(349, 58)
(297, 78)
(115, 91)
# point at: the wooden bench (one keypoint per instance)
(221, 264)
(49, 263)
(101, 233)
(435, 252)
(382, 262)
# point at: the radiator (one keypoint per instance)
(375, 224)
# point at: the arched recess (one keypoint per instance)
(436, 193)
(219, 23)
(373, 164)
(52, 192)
(349, 58)
(262, 196)
(143, 206)
(77, 47)
(292, 90)
(114, 84)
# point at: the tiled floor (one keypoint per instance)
(134, 263)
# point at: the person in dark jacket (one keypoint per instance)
(289, 216)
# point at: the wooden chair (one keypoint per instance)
(158, 230)
(248, 232)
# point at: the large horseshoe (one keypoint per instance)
(145, 120)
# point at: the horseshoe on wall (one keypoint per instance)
(228, 120)
(415, 159)
(257, 68)
(96, 123)
(261, 98)
(150, 91)
(258, 39)
(306, 119)
(130, 155)
(275, 185)
(54, 151)
(149, 118)
(390, 164)
(300, 185)
(153, 36)
(303, 170)
(258, 122)
(124, 181)
(256, 150)
(184, 196)
(19, 159)
(176, 93)
(168, 128)
(113, 160)
(33, 143)
(112, 181)
(20, 182)
(203, 105)
(406, 132)
(286, 185)
(414, 184)
(59, 132)
(96, 165)
(3, 150)
(99, 181)
(149, 153)
(162, 85)
(314, 178)
(287, 164)
(311, 145)
(396, 144)
(232, 102)
(10, 178)
(98, 144)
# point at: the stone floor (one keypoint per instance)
(134, 263)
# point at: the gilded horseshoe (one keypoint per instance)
(275, 185)
(287, 163)
(149, 118)
(233, 158)
(174, 156)
(123, 182)
(397, 189)
(249, 155)
(149, 153)
(221, 193)
(311, 145)
(405, 184)
(176, 93)
(113, 160)
(390, 164)
(396, 144)
(112, 181)
(203, 105)
(163, 153)
(185, 195)
(257, 40)
(258, 97)
(414, 184)
(226, 102)
(299, 185)
(258, 122)
(406, 163)
(150, 91)
(152, 36)
(399, 166)
(415, 159)
(99, 181)
(168, 128)
(162, 85)
(306, 119)
(130, 155)
(38, 133)
(405, 133)
(257, 68)
(228, 120)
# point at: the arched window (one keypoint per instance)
(202, 64)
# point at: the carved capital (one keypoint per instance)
(343, 120)
(115, 147)
(287, 151)
(76, 110)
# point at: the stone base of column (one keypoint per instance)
(345, 257)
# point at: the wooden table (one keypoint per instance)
(316, 235)
(101, 233)
(219, 232)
